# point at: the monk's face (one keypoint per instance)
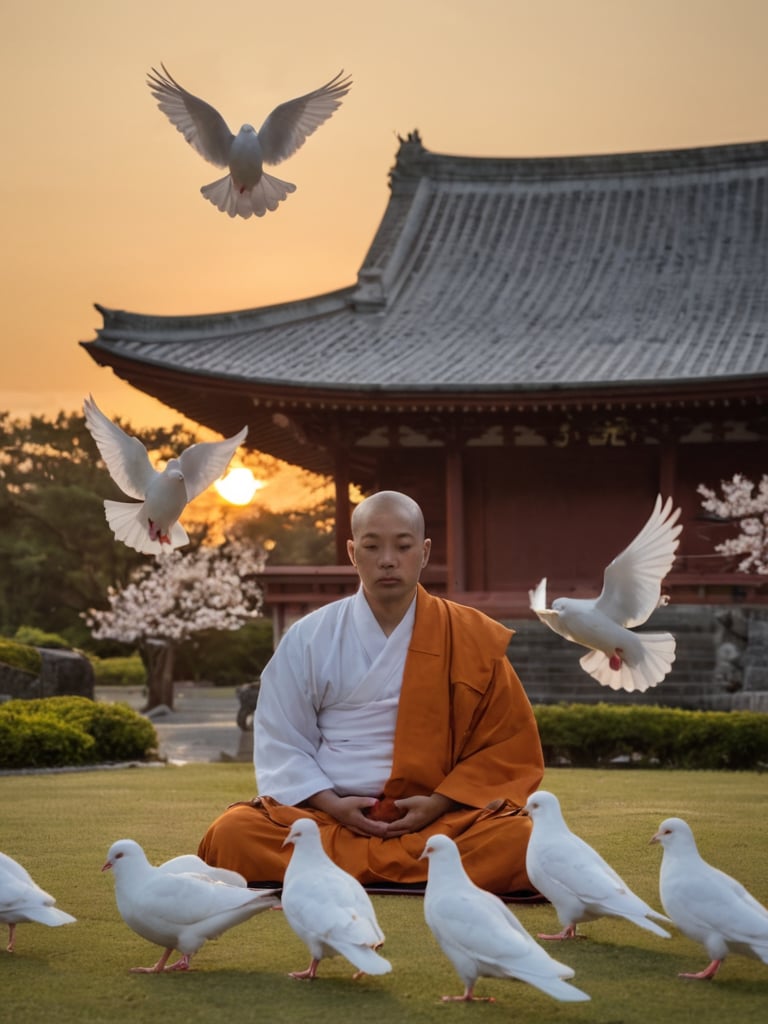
(389, 550)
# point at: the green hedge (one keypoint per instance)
(34, 637)
(119, 671)
(58, 731)
(17, 655)
(586, 735)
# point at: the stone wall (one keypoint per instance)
(721, 661)
(62, 673)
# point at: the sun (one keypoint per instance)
(238, 486)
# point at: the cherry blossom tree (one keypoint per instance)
(173, 597)
(746, 504)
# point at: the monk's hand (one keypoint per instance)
(349, 811)
(420, 811)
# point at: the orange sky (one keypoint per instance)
(100, 199)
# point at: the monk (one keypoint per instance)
(390, 704)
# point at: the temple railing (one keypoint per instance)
(290, 591)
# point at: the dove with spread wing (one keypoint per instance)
(22, 900)
(480, 935)
(162, 496)
(247, 189)
(579, 884)
(178, 908)
(327, 907)
(707, 905)
(620, 658)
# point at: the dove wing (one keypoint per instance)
(187, 899)
(550, 617)
(15, 869)
(713, 899)
(580, 870)
(291, 123)
(632, 582)
(205, 462)
(201, 124)
(125, 456)
(473, 927)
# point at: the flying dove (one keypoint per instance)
(22, 900)
(707, 905)
(247, 189)
(178, 910)
(574, 878)
(480, 935)
(618, 657)
(163, 496)
(327, 908)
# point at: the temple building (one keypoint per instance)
(534, 349)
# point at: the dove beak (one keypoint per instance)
(656, 838)
(107, 866)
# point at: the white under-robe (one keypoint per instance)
(327, 707)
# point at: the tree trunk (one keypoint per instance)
(157, 656)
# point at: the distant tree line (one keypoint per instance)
(58, 556)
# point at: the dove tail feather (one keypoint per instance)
(658, 654)
(556, 987)
(51, 916)
(650, 926)
(128, 523)
(364, 958)
(265, 195)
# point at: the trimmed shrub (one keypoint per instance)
(44, 732)
(586, 735)
(41, 741)
(35, 637)
(20, 656)
(121, 671)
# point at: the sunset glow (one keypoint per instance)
(238, 486)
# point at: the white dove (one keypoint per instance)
(247, 189)
(574, 878)
(328, 908)
(619, 658)
(163, 496)
(480, 935)
(707, 905)
(178, 910)
(22, 900)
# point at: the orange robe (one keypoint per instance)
(465, 729)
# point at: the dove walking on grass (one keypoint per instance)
(328, 908)
(480, 935)
(707, 905)
(247, 189)
(574, 878)
(23, 901)
(618, 657)
(179, 909)
(163, 496)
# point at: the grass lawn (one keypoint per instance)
(60, 826)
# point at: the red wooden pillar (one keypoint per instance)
(343, 515)
(667, 468)
(456, 581)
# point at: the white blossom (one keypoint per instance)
(181, 594)
(746, 506)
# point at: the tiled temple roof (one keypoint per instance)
(507, 276)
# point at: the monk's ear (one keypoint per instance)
(351, 551)
(427, 550)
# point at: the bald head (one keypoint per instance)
(390, 503)
(388, 548)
